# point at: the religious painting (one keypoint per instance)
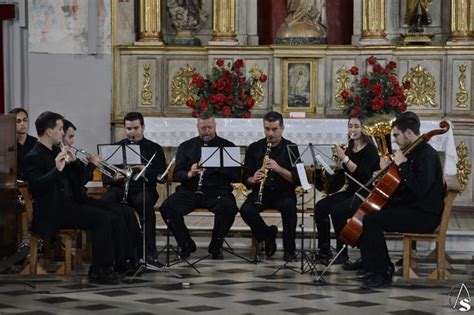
(299, 82)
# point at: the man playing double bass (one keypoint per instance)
(416, 207)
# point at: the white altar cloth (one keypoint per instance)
(170, 132)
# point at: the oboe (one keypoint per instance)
(199, 192)
(264, 168)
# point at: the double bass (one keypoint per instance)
(383, 190)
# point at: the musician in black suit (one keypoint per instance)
(134, 130)
(25, 142)
(416, 206)
(55, 206)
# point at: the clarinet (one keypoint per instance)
(259, 202)
(198, 193)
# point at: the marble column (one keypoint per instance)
(461, 21)
(150, 22)
(223, 23)
(373, 22)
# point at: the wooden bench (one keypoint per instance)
(439, 236)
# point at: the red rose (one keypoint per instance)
(392, 78)
(355, 111)
(402, 97)
(393, 101)
(220, 85)
(220, 62)
(203, 105)
(228, 87)
(212, 98)
(407, 85)
(250, 103)
(239, 63)
(229, 99)
(377, 103)
(371, 60)
(190, 103)
(377, 89)
(345, 95)
(402, 107)
(365, 82)
(246, 114)
(262, 78)
(226, 110)
(377, 68)
(226, 75)
(354, 70)
(391, 65)
(195, 114)
(220, 98)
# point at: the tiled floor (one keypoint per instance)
(231, 286)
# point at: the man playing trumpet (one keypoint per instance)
(278, 190)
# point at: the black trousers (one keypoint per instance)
(99, 222)
(184, 201)
(125, 228)
(341, 206)
(135, 200)
(286, 204)
(373, 247)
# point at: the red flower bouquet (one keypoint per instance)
(377, 92)
(226, 92)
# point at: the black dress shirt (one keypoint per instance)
(367, 161)
(21, 152)
(215, 178)
(157, 166)
(275, 184)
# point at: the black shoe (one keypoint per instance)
(290, 257)
(153, 260)
(341, 259)
(102, 275)
(360, 271)
(348, 265)
(126, 269)
(324, 253)
(365, 276)
(188, 248)
(217, 255)
(270, 241)
(378, 280)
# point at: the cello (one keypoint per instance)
(383, 190)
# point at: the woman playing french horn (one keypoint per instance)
(359, 160)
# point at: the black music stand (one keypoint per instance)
(222, 157)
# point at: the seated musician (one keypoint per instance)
(360, 159)
(207, 188)
(278, 190)
(134, 130)
(54, 189)
(125, 225)
(416, 206)
(25, 142)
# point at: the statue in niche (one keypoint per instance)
(417, 15)
(187, 17)
(305, 23)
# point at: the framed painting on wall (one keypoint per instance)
(299, 85)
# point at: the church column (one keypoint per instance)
(150, 21)
(373, 22)
(461, 21)
(223, 23)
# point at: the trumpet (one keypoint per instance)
(266, 157)
(103, 167)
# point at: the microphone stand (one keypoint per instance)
(143, 264)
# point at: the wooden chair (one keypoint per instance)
(35, 265)
(439, 236)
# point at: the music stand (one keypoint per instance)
(222, 157)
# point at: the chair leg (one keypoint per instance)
(406, 258)
(34, 267)
(66, 268)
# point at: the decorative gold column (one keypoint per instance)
(461, 23)
(373, 20)
(150, 21)
(223, 20)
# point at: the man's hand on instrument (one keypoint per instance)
(119, 177)
(384, 162)
(94, 159)
(194, 171)
(273, 165)
(257, 177)
(60, 161)
(138, 167)
(399, 157)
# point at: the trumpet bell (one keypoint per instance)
(379, 128)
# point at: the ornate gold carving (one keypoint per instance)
(423, 87)
(150, 20)
(462, 95)
(256, 91)
(373, 19)
(223, 20)
(146, 89)
(463, 166)
(181, 89)
(343, 82)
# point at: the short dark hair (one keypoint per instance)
(205, 115)
(131, 116)
(407, 120)
(18, 110)
(273, 116)
(45, 121)
(67, 124)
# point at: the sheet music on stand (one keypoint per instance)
(220, 157)
(118, 154)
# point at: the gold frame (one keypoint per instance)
(287, 65)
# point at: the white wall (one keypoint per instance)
(76, 86)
